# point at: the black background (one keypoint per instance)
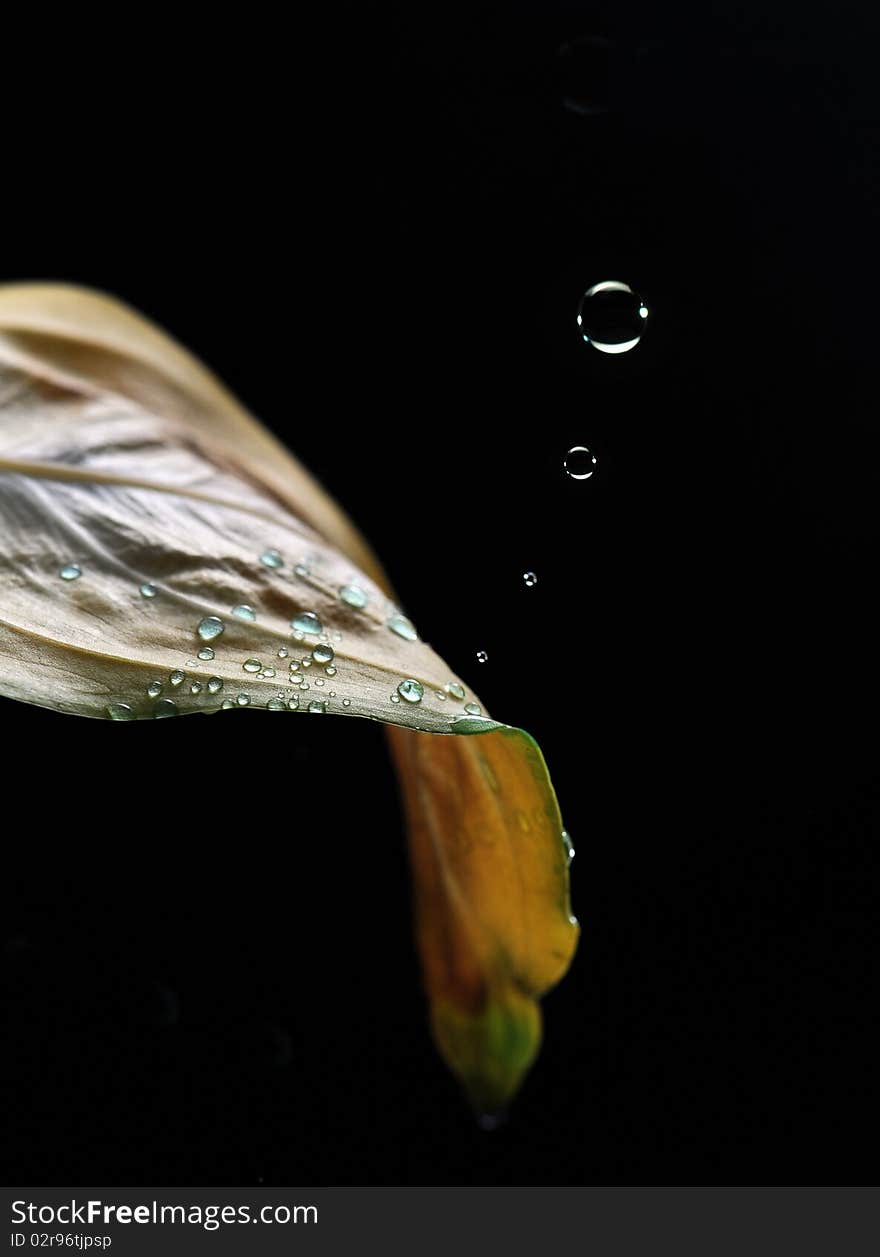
(377, 231)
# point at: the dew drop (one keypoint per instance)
(215, 685)
(346, 702)
(252, 665)
(611, 317)
(196, 687)
(154, 689)
(580, 463)
(353, 595)
(120, 711)
(271, 558)
(481, 656)
(244, 612)
(242, 700)
(276, 704)
(268, 673)
(317, 708)
(70, 571)
(569, 849)
(395, 698)
(530, 579)
(331, 672)
(209, 628)
(283, 652)
(148, 590)
(206, 653)
(320, 681)
(302, 569)
(165, 707)
(323, 654)
(454, 690)
(307, 663)
(177, 677)
(293, 703)
(440, 694)
(411, 691)
(293, 665)
(226, 704)
(307, 622)
(473, 709)
(403, 627)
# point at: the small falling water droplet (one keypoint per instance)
(196, 687)
(353, 595)
(215, 685)
(317, 708)
(154, 689)
(244, 612)
(271, 558)
(120, 711)
(206, 654)
(454, 690)
(530, 579)
(252, 665)
(580, 463)
(242, 700)
(611, 317)
(323, 654)
(209, 628)
(70, 571)
(283, 652)
(411, 691)
(403, 627)
(307, 622)
(148, 590)
(482, 656)
(165, 707)
(276, 704)
(177, 677)
(473, 709)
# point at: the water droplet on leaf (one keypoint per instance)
(410, 691)
(215, 685)
(206, 654)
(271, 558)
(70, 571)
(120, 711)
(148, 590)
(323, 654)
(244, 612)
(307, 622)
(209, 628)
(353, 595)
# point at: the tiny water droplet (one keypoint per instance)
(323, 654)
(331, 672)
(530, 579)
(120, 711)
(242, 700)
(196, 687)
(302, 569)
(440, 694)
(177, 677)
(226, 704)
(317, 708)
(283, 652)
(481, 656)
(320, 681)
(165, 707)
(331, 693)
(206, 653)
(209, 628)
(580, 463)
(353, 595)
(293, 703)
(473, 709)
(293, 665)
(252, 665)
(454, 690)
(346, 702)
(276, 704)
(307, 622)
(307, 663)
(271, 558)
(154, 689)
(268, 673)
(215, 685)
(411, 691)
(148, 590)
(337, 636)
(70, 571)
(244, 612)
(610, 317)
(395, 698)
(569, 849)
(403, 627)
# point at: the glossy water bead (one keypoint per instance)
(611, 317)
(579, 463)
